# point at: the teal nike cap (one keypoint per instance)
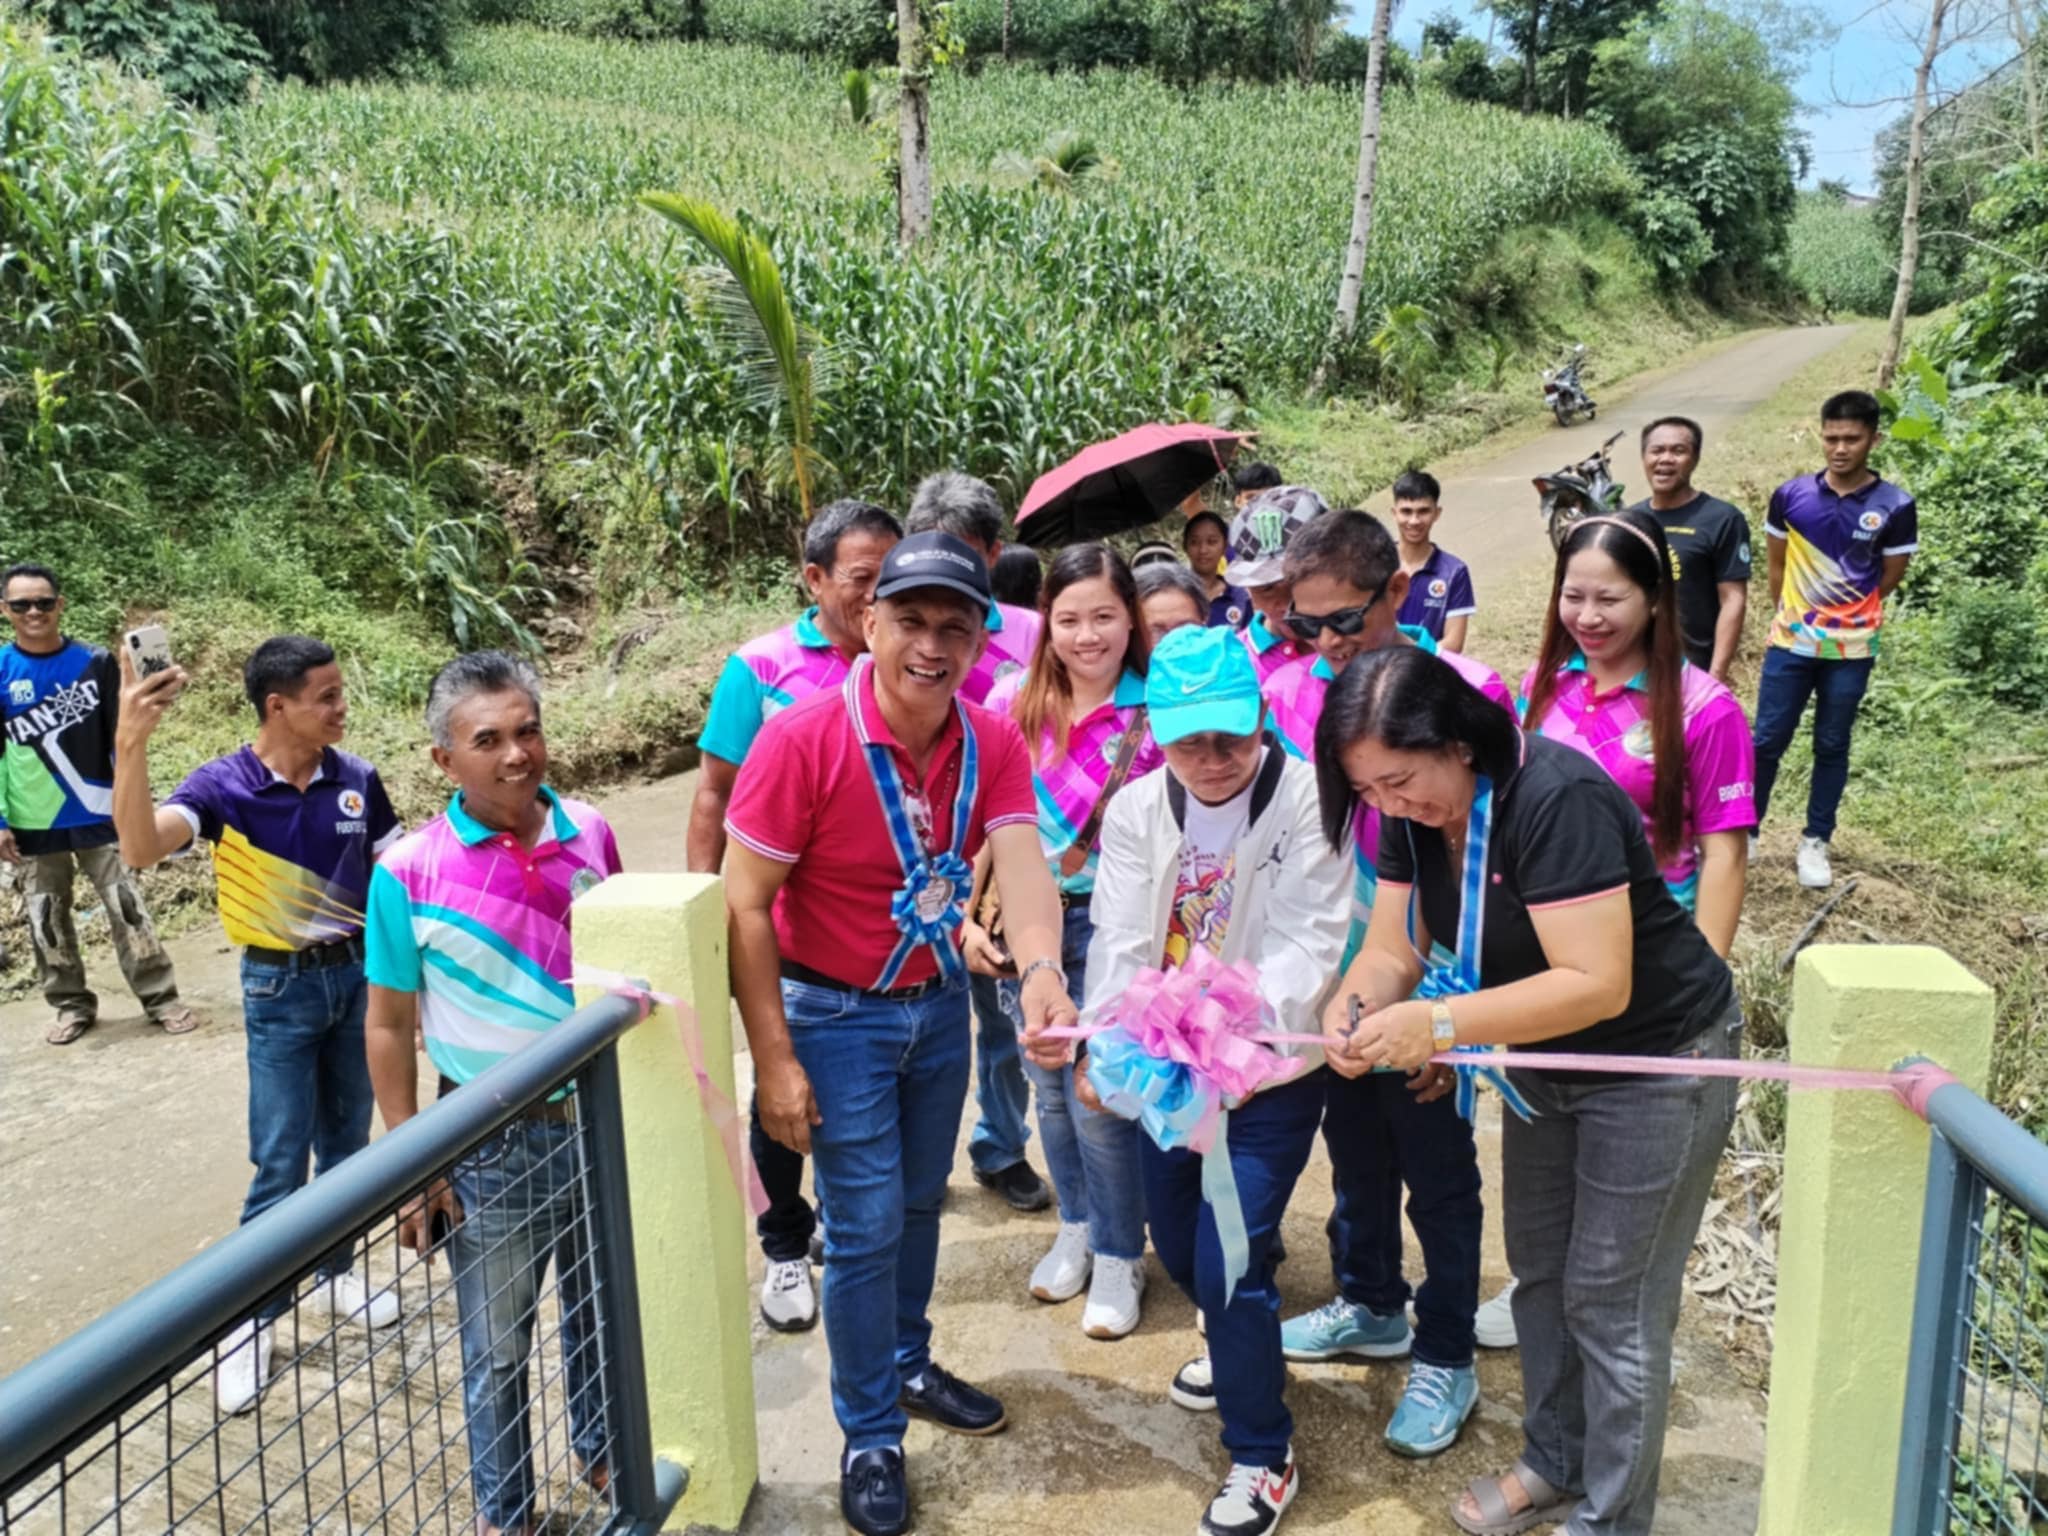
(1201, 680)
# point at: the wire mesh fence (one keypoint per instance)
(486, 1378)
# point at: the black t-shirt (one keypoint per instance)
(1563, 831)
(1709, 545)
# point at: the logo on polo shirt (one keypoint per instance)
(1868, 524)
(1006, 669)
(21, 691)
(351, 802)
(1637, 743)
(1112, 746)
(585, 879)
(1438, 588)
(1738, 791)
(1234, 614)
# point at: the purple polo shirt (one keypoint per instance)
(1441, 590)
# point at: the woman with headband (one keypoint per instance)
(1530, 864)
(1612, 682)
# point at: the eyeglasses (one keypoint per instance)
(31, 605)
(1345, 621)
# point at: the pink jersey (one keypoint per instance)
(1270, 651)
(1012, 638)
(1067, 787)
(764, 677)
(1614, 730)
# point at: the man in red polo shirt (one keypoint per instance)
(854, 824)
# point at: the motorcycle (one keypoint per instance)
(1565, 394)
(1585, 489)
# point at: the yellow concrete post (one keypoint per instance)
(1848, 1249)
(689, 1229)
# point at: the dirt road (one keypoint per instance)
(123, 1155)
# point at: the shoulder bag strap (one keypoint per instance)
(1075, 859)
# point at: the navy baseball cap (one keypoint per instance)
(934, 560)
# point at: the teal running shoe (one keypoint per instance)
(1339, 1328)
(1435, 1406)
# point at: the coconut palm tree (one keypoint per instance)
(1065, 160)
(779, 358)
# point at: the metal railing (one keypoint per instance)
(510, 1384)
(1972, 1457)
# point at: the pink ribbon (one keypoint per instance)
(718, 1108)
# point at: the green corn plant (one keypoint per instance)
(778, 355)
(860, 97)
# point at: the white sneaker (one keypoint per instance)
(1194, 1386)
(1252, 1500)
(1815, 872)
(789, 1303)
(1493, 1326)
(1064, 1270)
(1753, 846)
(243, 1368)
(1113, 1298)
(349, 1298)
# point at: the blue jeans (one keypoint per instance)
(1092, 1158)
(309, 1083)
(1269, 1137)
(522, 1204)
(1836, 687)
(1000, 1092)
(1380, 1139)
(890, 1079)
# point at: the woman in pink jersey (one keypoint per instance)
(1081, 697)
(1612, 681)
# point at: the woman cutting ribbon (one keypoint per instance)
(1565, 933)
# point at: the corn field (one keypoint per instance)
(386, 275)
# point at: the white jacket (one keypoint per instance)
(1290, 909)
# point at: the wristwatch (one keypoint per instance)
(1041, 964)
(1442, 1028)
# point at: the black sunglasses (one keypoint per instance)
(1345, 621)
(31, 604)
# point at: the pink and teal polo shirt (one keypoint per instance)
(764, 677)
(1067, 787)
(1614, 730)
(1012, 640)
(477, 924)
(1270, 652)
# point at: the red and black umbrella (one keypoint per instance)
(1125, 483)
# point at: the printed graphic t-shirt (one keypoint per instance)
(57, 772)
(1207, 882)
(1709, 542)
(1835, 549)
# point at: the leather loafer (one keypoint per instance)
(874, 1495)
(952, 1404)
(1019, 1185)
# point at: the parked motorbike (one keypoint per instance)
(1565, 394)
(1585, 489)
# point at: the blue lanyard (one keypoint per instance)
(932, 900)
(1461, 976)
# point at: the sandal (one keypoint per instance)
(179, 1021)
(1547, 1505)
(64, 1031)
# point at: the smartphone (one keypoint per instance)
(150, 649)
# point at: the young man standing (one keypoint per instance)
(1248, 482)
(1384, 1130)
(60, 700)
(843, 551)
(1840, 542)
(970, 511)
(1709, 545)
(1259, 534)
(1439, 596)
(854, 826)
(469, 943)
(296, 826)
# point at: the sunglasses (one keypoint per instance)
(31, 605)
(1345, 621)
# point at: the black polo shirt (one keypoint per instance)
(1709, 545)
(1563, 831)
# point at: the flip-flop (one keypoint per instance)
(1547, 1505)
(64, 1031)
(179, 1021)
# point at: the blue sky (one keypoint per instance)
(1872, 56)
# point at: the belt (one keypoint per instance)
(560, 1111)
(1076, 901)
(315, 957)
(793, 971)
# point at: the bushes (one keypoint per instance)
(1996, 637)
(184, 45)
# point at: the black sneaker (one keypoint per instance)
(952, 1404)
(874, 1496)
(1018, 1184)
(1251, 1500)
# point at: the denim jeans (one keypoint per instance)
(1380, 1138)
(890, 1079)
(1603, 1194)
(785, 1228)
(1269, 1137)
(522, 1205)
(1836, 687)
(1000, 1092)
(309, 1083)
(1092, 1158)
